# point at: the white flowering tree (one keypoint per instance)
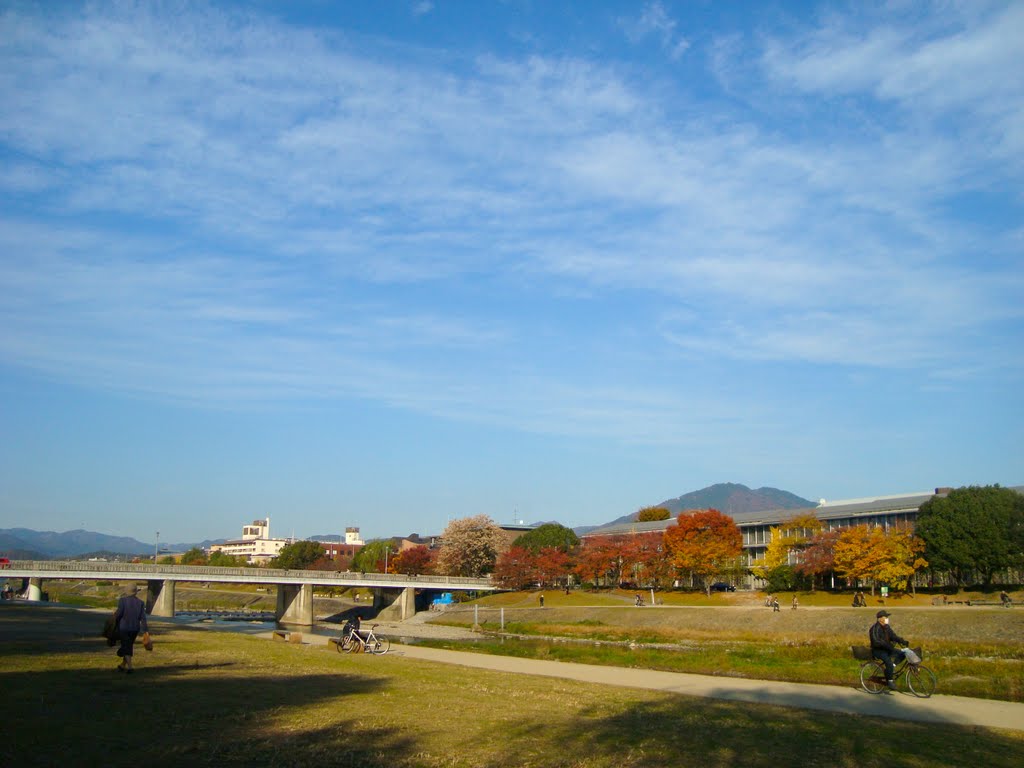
(469, 547)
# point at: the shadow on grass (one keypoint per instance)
(190, 714)
(213, 710)
(683, 733)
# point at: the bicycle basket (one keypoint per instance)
(861, 652)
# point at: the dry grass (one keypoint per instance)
(208, 698)
(974, 651)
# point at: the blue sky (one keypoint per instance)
(390, 264)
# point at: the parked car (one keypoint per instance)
(721, 586)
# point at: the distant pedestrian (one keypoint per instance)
(1004, 598)
(796, 603)
(130, 618)
(775, 604)
(541, 598)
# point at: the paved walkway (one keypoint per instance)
(956, 710)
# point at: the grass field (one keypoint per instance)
(211, 698)
(975, 651)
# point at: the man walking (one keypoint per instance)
(130, 618)
(883, 647)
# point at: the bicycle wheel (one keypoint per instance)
(872, 676)
(921, 681)
(341, 646)
(382, 646)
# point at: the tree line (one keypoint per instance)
(970, 535)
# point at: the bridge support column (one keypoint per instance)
(407, 603)
(160, 597)
(295, 604)
(402, 607)
(35, 590)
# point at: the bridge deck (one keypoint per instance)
(59, 569)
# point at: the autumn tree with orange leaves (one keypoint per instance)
(413, 561)
(516, 568)
(817, 559)
(872, 554)
(600, 559)
(703, 543)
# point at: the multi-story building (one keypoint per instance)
(335, 547)
(256, 545)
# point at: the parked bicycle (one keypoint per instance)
(363, 640)
(919, 680)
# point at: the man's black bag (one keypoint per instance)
(111, 632)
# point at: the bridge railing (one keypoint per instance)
(219, 573)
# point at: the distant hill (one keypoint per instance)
(729, 498)
(17, 543)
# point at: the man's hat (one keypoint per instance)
(880, 614)
(133, 589)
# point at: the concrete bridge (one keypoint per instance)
(294, 588)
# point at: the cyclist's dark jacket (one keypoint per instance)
(882, 637)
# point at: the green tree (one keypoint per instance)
(298, 556)
(374, 556)
(224, 560)
(548, 535)
(195, 556)
(469, 547)
(973, 530)
(651, 514)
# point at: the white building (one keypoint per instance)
(352, 537)
(255, 546)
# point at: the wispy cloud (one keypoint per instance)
(655, 22)
(211, 220)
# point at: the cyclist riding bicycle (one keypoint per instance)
(883, 648)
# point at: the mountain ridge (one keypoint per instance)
(25, 543)
(728, 498)
(49, 544)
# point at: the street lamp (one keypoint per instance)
(156, 547)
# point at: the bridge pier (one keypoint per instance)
(160, 597)
(401, 608)
(295, 604)
(35, 589)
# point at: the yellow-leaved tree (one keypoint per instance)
(904, 558)
(785, 543)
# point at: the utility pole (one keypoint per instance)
(156, 547)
